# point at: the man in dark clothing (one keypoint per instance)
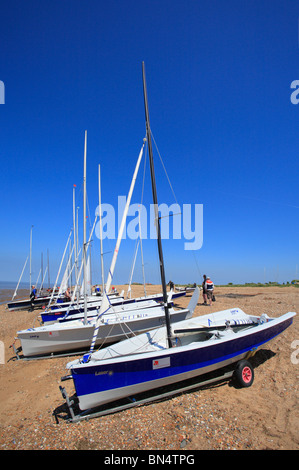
(209, 289)
(32, 297)
(171, 285)
(204, 291)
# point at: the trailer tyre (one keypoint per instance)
(244, 374)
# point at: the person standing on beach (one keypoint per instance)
(204, 292)
(32, 297)
(209, 286)
(67, 295)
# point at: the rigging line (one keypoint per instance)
(196, 263)
(254, 198)
(136, 337)
(128, 333)
(88, 211)
(172, 190)
(143, 180)
(169, 215)
(118, 315)
(105, 339)
(137, 241)
(152, 335)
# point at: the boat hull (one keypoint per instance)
(109, 380)
(54, 315)
(94, 311)
(26, 303)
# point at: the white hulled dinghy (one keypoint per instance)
(75, 335)
(145, 362)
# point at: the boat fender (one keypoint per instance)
(263, 318)
(85, 359)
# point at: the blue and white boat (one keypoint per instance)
(175, 352)
(25, 304)
(76, 311)
(145, 362)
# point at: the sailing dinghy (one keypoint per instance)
(75, 335)
(77, 311)
(25, 304)
(145, 362)
(173, 353)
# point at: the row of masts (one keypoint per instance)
(71, 253)
(106, 288)
(41, 273)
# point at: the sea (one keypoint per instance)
(7, 290)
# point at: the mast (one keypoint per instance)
(30, 272)
(42, 270)
(84, 231)
(42, 282)
(142, 262)
(48, 269)
(77, 235)
(74, 231)
(155, 200)
(101, 232)
(58, 274)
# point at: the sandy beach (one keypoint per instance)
(264, 416)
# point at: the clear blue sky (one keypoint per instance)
(218, 75)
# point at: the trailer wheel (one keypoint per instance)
(244, 374)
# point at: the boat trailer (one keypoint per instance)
(75, 415)
(21, 357)
(242, 372)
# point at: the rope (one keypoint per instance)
(164, 169)
(129, 338)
